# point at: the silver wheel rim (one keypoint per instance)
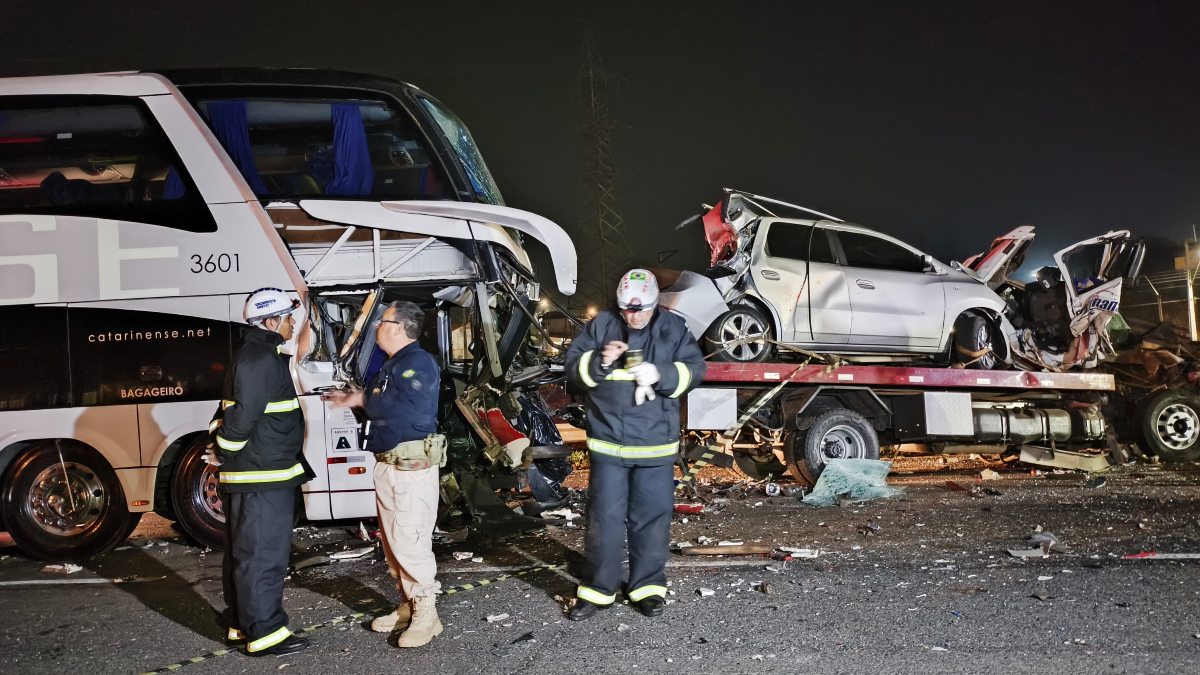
(743, 336)
(66, 498)
(210, 493)
(843, 441)
(983, 338)
(1178, 426)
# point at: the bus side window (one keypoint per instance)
(33, 358)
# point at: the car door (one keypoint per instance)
(799, 275)
(895, 302)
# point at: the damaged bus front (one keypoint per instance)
(137, 212)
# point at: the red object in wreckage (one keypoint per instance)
(719, 234)
(689, 508)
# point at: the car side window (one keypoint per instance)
(798, 242)
(95, 156)
(864, 250)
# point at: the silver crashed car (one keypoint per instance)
(784, 276)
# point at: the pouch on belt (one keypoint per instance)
(416, 455)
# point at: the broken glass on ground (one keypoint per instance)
(852, 480)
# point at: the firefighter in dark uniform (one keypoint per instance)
(634, 366)
(258, 436)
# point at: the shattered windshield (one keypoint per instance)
(292, 148)
(468, 153)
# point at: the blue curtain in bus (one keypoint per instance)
(230, 126)
(174, 188)
(352, 172)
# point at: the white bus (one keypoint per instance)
(138, 210)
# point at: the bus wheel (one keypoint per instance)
(63, 501)
(195, 496)
(834, 434)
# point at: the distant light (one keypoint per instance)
(545, 303)
(591, 310)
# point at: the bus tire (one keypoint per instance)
(838, 433)
(1168, 425)
(196, 498)
(63, 501)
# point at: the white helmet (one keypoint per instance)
(638, 289)
(266, 303)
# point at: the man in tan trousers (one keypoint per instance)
(401, 403)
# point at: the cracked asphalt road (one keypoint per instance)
(927, 588)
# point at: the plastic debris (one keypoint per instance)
(854, 480)
(799, 552)
(352, 553)
(689, 508)
(706, 592)
(62, 568)
(314, 561)
(493, 618)
(565, 514)
(463, 555)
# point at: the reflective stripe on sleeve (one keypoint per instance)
(271, 476)
(226, 444)
(585, 362)
(269, 640)
(283, 406)
(685, 379)
(227, 403)
(594, 596)
(644, 592)
(234, 634)
(214, 425)
(632, 451)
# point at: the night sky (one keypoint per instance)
(944, 124)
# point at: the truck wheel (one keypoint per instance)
(739, 335)
(840, 433)
(973, 343)
(1168, 424)
(195, 496)
(63, 501)
(759, 467)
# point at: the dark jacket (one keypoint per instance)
(259, 429)
(401, 400)
(646, 434)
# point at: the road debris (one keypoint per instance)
(737, 549)
(1097, 482)
(463, 555)
(988, 474)
(564, 514)
(493, 618)
(706, 592)
(313, 561)
(62, 568)
(1154, 555)
(849, 481)
(689, 508)
(353, 553)
(799, 552)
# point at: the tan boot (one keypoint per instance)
(425, 623)
(399, 618)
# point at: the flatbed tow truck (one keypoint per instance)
(772, 417)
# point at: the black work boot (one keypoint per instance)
(290, 645)
(584, 609)
(652, 606)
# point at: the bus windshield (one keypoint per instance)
(468, 153)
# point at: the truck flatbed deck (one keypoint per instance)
(904, 376)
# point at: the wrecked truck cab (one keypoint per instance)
(1059, 320)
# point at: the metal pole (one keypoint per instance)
(1191, 294)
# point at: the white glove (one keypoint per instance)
(210, 456)
(642, 394)
(646, 374)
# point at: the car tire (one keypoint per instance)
(973, 334)
(196, 497)
(740, 322)
(55, 517)
(1168, 425)
(837, 433)
(759, 467)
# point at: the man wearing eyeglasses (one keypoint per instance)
(401, 402)
(633, 365)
